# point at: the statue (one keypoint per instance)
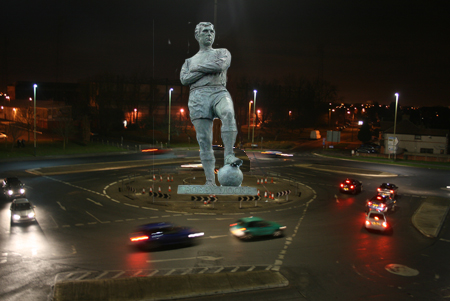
(206, 74)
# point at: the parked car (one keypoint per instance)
(350, 185)
(249, 227)
(13, 188)
(368, 149)
(22, 211)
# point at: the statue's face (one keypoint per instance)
(206, 36)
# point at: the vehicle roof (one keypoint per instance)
(21, 201)
(251, 219)
(380, 198)
(387, 185)
(153, 226)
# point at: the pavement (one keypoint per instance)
(135, 191)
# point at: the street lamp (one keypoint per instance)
(34, 113)
(395, 124)
(170, 106)
(254, 115)
(249, 110)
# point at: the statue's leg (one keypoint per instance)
(203, 129)
(225, 111)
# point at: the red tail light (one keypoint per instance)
(367, 223)
(376, 218)
(347, 181)
(342, 185)
(392, 191)
(139, 238)
(379, 189)
(232, 225)
(351, 186)
(385, 225)
(382, 205)
(149, 150)
(369, 203)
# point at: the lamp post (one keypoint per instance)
(34, 114)
(170, 106)
(395, 125)
(254, 115)
(249, 111)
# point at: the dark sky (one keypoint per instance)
(371, 49)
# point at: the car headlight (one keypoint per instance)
(31, 214)
(10, 192)
(16, 216)
(22, 190)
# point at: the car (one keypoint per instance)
(3, 135)
(161, 234)
(368, 149)
(350, 185)
(376, 220)
(382, 203)
(22, 211)
(13, 188)
(388, 188)
(155, 150)
(250, 227)
(275, 154)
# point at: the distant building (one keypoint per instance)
(412, 139)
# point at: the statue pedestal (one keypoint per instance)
(216, 190)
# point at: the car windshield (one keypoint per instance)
(377, 216)
(22, 206)
(14, 182)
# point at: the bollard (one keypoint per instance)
(159, 188)
(154, 177)
(257, 181)
(160, 178)
(170, 188)
(271, 181)
(265, 194)
(265, 181)
(150, 191)
(258, 192)
(143, 190)
(171, 178)
(168, 179)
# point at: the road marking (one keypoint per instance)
(173, 259)
(153, 273)
(62, 207)
(94, 217)
(96, 203)
(446, 240)
(119, 274)
(54, 221)
(218, 236)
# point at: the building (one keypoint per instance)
(414, 140)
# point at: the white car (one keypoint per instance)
(376, 220)
(22, 211)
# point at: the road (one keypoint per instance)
(325, 254)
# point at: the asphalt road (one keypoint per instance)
(325, 254)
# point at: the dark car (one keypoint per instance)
(351, 186)
(13, 188)
(157, 235)
(388, 188)
(381, 203)
(368, 149)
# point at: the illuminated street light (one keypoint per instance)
(254, 115)
(249, 110)
(395, 124)
(170, 106)
(34, 88)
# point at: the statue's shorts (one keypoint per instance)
(203, 101)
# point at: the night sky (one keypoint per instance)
(368, 49)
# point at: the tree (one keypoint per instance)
(365, 134)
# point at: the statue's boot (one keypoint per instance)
(229, 139)
(208, 167)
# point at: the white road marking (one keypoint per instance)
(62, 207)
(96, 203)
(94, 217)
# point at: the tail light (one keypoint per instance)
(347, 181)
(379, 189)
(139, 238)
(232, 225)
(369, 203)
(385, 225)
(367, 223)
(342, 185)
(376, 218)
(392, 191)
(351, 186)
(382, 205)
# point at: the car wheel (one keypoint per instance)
(278, 233)
(248, 236)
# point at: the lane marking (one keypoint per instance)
(94, 217)
(96, 203)
(61, 206)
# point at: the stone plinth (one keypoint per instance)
(216, 190)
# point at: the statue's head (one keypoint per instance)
(199, 30)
